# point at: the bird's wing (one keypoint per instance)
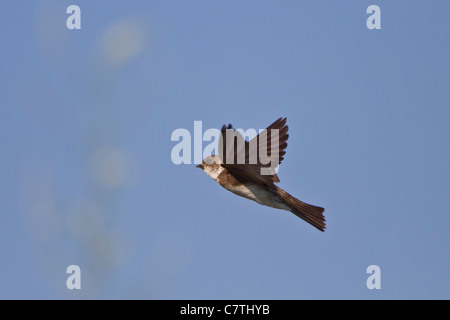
(247, 159)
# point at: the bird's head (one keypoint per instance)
(211, 165)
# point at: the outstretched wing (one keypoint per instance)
(248, 160)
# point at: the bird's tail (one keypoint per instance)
(311, 214)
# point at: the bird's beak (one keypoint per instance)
(200, 166)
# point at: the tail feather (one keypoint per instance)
(311, 214)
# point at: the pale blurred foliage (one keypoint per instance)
(109, 166)
(42, 219)
(82, 229)
(85, 222)
(121, 42)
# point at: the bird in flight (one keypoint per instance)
(246, 169)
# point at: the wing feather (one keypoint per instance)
(236, 157)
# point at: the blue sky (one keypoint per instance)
(86, 176)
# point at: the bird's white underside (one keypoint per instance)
(252, 192)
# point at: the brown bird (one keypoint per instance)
(239, 167)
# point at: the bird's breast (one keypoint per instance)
(256, 193)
